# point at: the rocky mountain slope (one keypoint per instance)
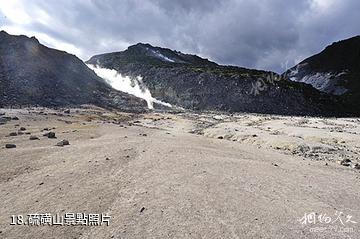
(199, 84)
(32, 74)
(335, 70)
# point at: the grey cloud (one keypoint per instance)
(261, 34)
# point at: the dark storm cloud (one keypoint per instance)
(262, 34)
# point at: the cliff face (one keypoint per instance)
(32, 74)
(195, 83)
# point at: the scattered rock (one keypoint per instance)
(275, 165)
(33, 137)
(50, 135)
(2, 121)
(22, 129)
(15, 118)
(7, 118)
(10, 146)
(301, 149)
(218, 117)
(20, 133)
(63, 143)
(355, 166)
(13, 134)
(345, 162)
(67, 111)
(142, 209)
(220, 137)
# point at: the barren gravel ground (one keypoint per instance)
(180, 176)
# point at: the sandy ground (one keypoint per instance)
(181, 176)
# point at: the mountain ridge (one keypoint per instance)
(199, 84)
(335, 70)
(33, 74)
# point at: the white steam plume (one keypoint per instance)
(133, 86)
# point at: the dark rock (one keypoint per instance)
(3, 120)
(50, 135)
(22, 129)
(345, 162)
(10, 146)
(220, 137)
(15, 118)
(63, 143)
(67, 111)
(356, 166)
(13, 134)
(142, 209)
(34, 137)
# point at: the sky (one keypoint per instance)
(263, 34)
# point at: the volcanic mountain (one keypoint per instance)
(32, 74)
(335, 70)
(198, 84)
